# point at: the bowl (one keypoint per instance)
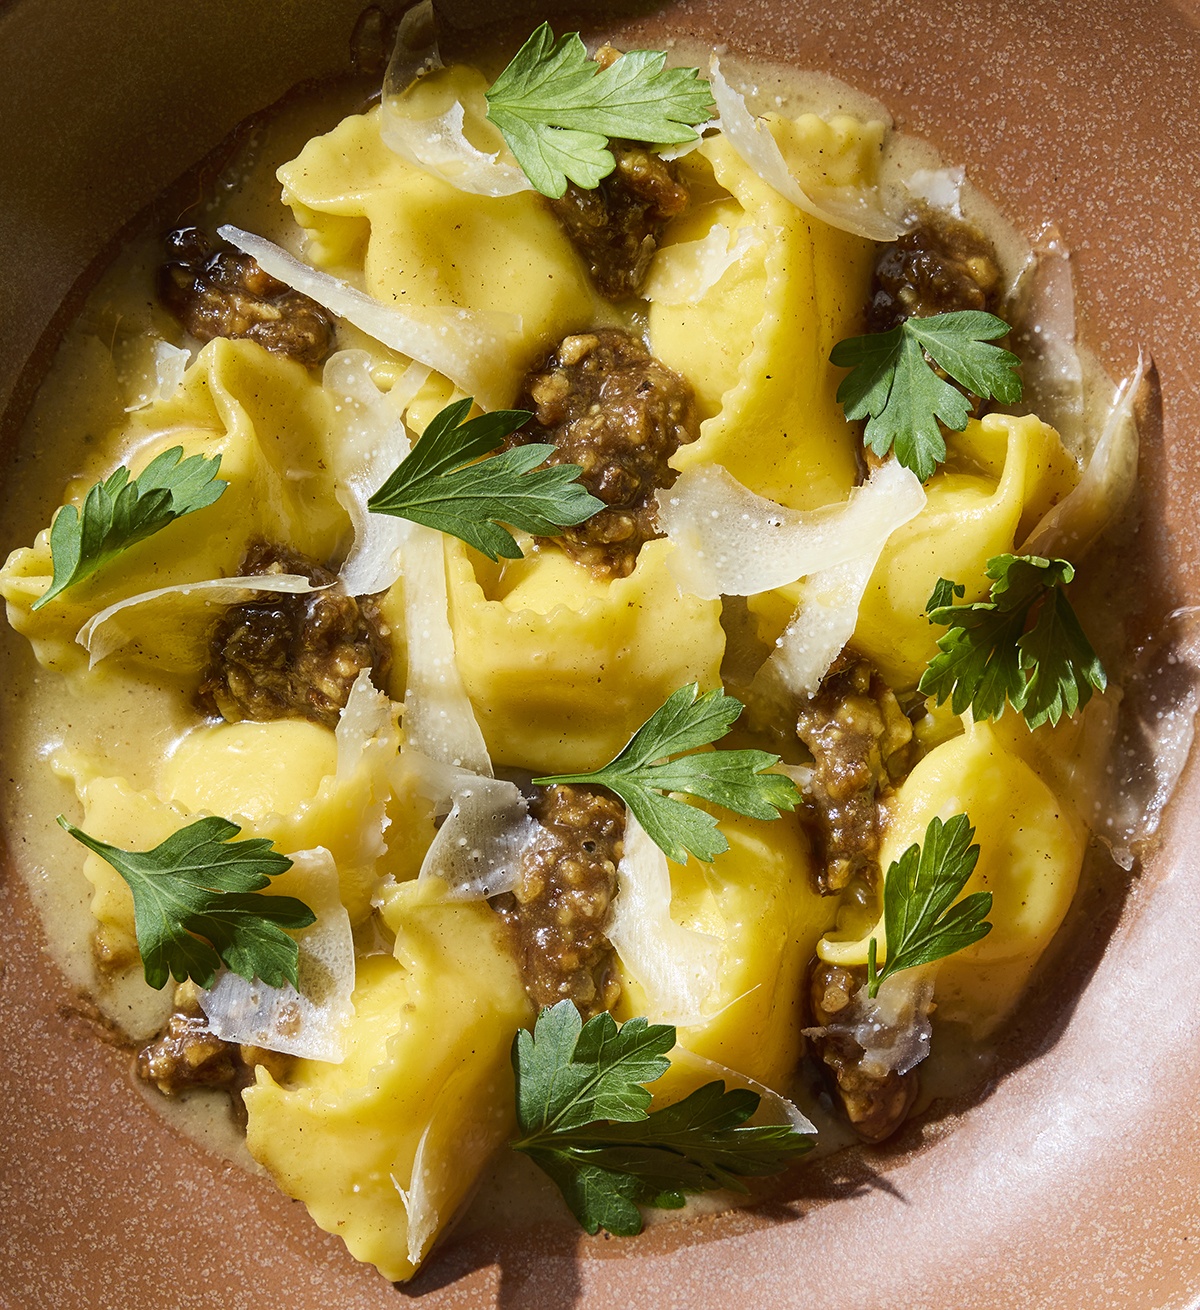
(1073, 1180)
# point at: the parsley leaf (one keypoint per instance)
(992, 653)
(582, 1113)
(557, 108)
(894, 386)
(921, 921)
(196, 905)
(118, 513)
(944, 592)
(444, 483)
(641, 775)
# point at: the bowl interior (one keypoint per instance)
(1073, 1182)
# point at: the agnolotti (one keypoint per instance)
(270, 421)
(383, 1147)
(1031, 849)
(1001, 475)
(756, 344)
(563, 667)
(758, 917)
(396, 737)
(413, 239)
(279, 780)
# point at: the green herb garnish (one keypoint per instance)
(118, 513)
(196, 906)
(893, 385)
(557, 109)
(1024, 645)
(582, 1113)
(445, 484)
(921, 921)
(642, 775)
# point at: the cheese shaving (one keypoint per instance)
(828, 611)
(1073, 526)
(677, 968)
(855, 210)
(439, 720)
(439, 145)
(437, 142)
(772, 1109)
(478, 849)
(732, 542)
(170, 364)
(939, 188)
(187, 648)
(372, 441)
(670, 153)
(457, 343)
(309, 1022)
(893, 1028)
(1045, 339)
(420, 1212)
(366, 725)
(685, 272)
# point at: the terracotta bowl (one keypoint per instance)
(1074, 1181)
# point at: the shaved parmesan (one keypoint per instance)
(437, 142)
(848, 209)
(685, 272)
(478, 849)
(677, 968)
(309, 1022)
(170, 364)
(939, 188)
(458, 343)
(419, 1210)
(893, 1028)
(1072, 527)
(673, 152)
(1127, 749)
(187, 649)
(828, 611)
(365, 726)
(819, 630)
(439, 145)
(773, 1108)
(372, 441)
(732, 542)
(1045, 339)
(416, 53)
(435, 781)
(438, 718)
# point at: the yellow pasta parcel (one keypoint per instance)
(1030, 853)
(383, 1147)
(269, 420)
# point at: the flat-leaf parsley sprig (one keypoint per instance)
(1024, 645)
(583, 1116)
(196, 904)
(445, 483)
(643, 776)
(893, 385)
(118, 513)
(557, 109)
(921, 920)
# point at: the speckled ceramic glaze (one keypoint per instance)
(1075, 1182)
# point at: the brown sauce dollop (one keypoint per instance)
(610, 407)
(292, 656)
